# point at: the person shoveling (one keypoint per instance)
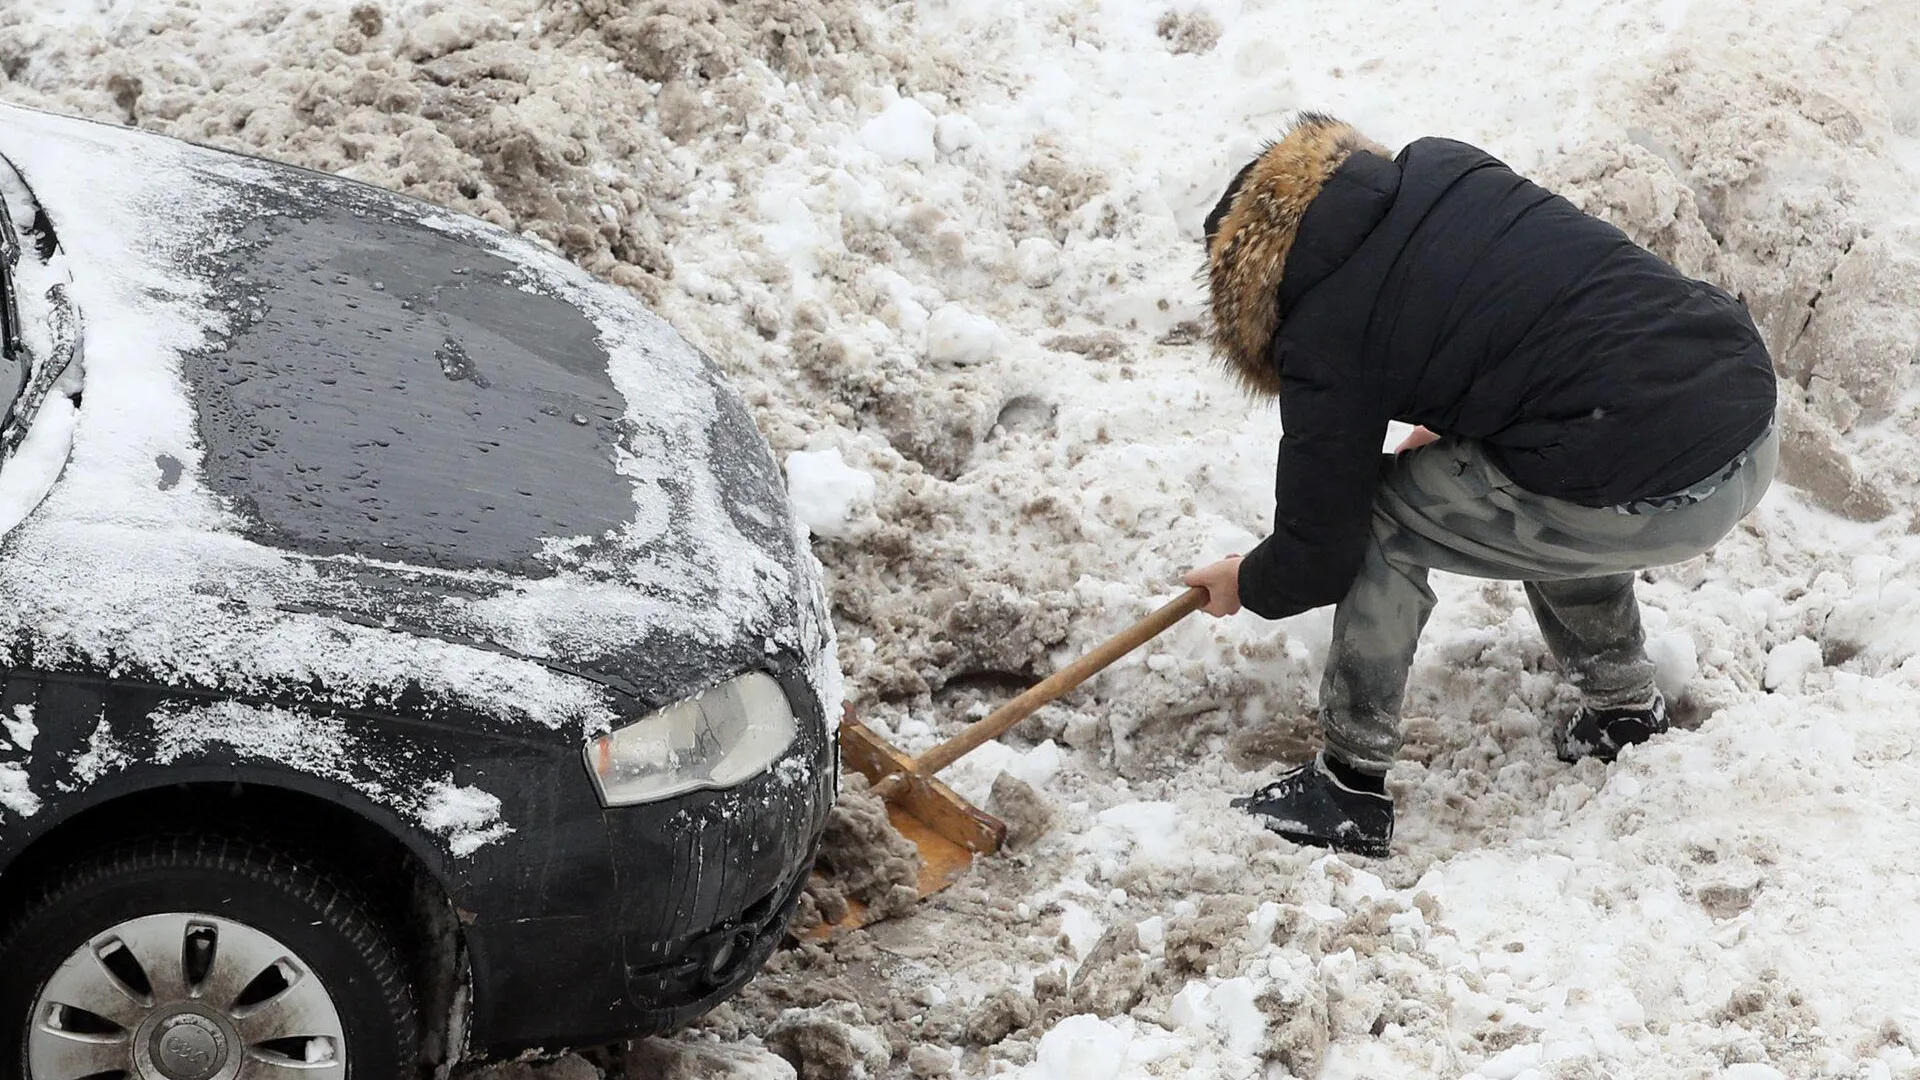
(1584, 411)
(1597, 413)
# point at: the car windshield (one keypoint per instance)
(13, 360)
(39, 324)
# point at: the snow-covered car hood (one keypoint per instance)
(331, 437)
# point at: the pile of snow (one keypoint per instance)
(954, 271)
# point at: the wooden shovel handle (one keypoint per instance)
(1001, 720)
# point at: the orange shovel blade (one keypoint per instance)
(948, 830)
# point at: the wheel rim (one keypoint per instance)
(181, 996)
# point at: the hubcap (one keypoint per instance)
(182, 996)
(187, 1046)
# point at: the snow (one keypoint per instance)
(20, 727)
(1038, 261)
(103, 755)
(314, 744)
(1789, 664)
(1083, 1048)
(468, 817)
(951, 248)
(905, 131)
(957, 336)
(830, 496)
(34, 467)
(973, 775)
(16, 794)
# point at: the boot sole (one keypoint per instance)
(1372, 849)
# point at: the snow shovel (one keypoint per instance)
(948, 830)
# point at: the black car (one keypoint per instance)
(410, 653)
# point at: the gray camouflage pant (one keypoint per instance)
(1447, 507)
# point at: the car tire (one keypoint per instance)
(235, 905)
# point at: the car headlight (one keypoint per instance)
(725, 735)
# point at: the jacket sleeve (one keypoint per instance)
(1329, 469)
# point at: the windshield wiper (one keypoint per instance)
(10, 347)
(21, 402)
(64, 324)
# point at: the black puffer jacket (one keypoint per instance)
(1439, 288)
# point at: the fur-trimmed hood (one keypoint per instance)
(1251, 231)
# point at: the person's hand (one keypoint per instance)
(1222, 582)
(1419, 438)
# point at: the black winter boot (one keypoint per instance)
(1601, 733)
(1313, 806)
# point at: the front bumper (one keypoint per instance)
(706, 969)
(704, 885)
(739, 861)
